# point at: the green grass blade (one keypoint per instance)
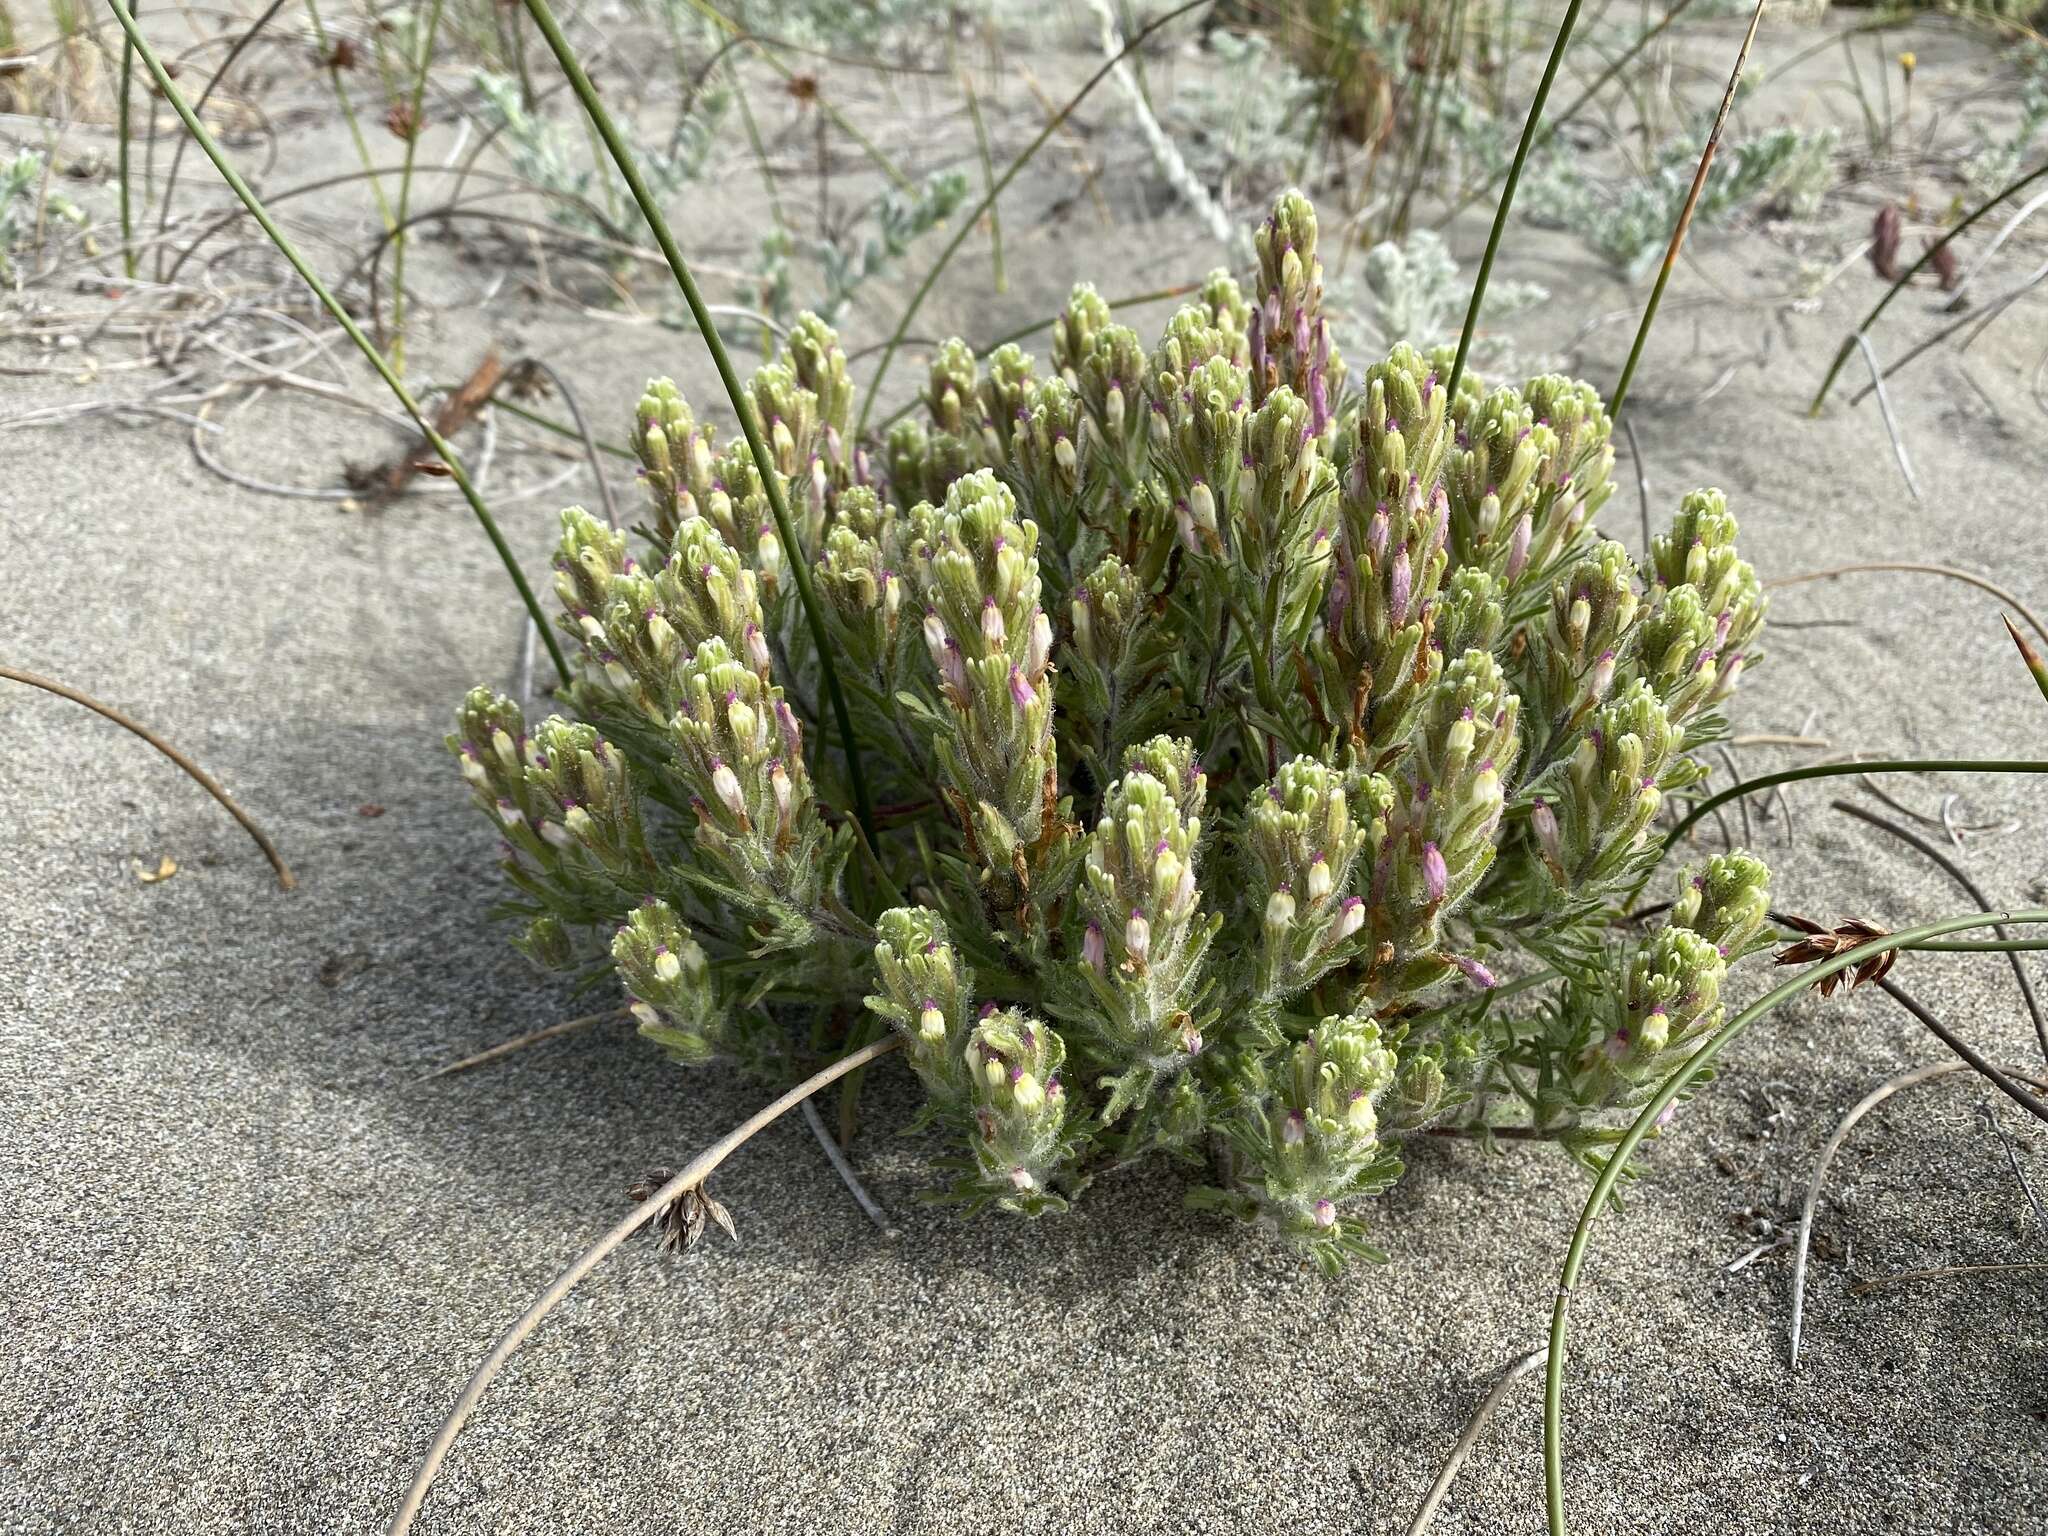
(1507, 193)
(1692, 198)
(414, 125)
(1836, 770)
(799, 564)
(1599, 83)
(988, 200)
(121, 127)
(1849, 345)
(2035, 666)
(261, 215)
(1603, 1187)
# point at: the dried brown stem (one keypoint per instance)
(206, 781)
(383, 483)
(1426, 1512)
(700, 1168)
(1865, 1287)
(1950, 571)
(521, 1042)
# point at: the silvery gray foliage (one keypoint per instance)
(1261, 750)
(1416, 292)
(1630, 223)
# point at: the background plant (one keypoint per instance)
(1629, 223)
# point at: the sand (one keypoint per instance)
(250, 1256)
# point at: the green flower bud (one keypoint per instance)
(1614, 786)
(1381, 609)
(1005, 398)
(1049, 450)
(923, 466)
(669, 980)
(1699, 552)
(990, 645)
(1191, 339)
(1018, 1130)
(490, 742)
(589, 555)
(739, 751)
(1672, 1003)
(583, 799)
(952, 389)
(1303, 838)
(675, 455)
(1073, 334)
(1289, 341)
(1399, 434)
(1205, 421)
(1311, 1134)
(1592, 612)
(1439, 837)
(1725, 902)
(1229, 313)
(1468, 616)
(856, 576)
(1108, 605)
(820, 367)
(1674, 651)
(1490, 478)
(1144, 935)
(929, 996)
(1114, 385)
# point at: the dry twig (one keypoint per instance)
(700, 1168)
(205, 780)
(521, 1042)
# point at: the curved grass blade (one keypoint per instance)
(1835, 770)
(1975, 892)
(1603, 1187)
(973, 216)
(800, 567)
(206, 781)
(1507, 193)
(691, 1178)
(1692, 198)
(261, 215)
(1849, 345)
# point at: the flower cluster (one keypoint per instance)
(1236, 724)
(991, 652)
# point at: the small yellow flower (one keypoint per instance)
(1907, 61)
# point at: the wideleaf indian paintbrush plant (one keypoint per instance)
(1262, 748)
